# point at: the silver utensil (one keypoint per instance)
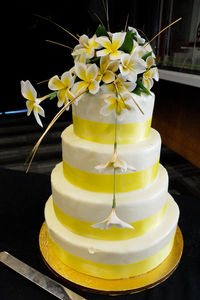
(38, 278)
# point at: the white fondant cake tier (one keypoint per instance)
(85, 155)
(102, 258)
(91, 124)
(89, 108)
(94, 207)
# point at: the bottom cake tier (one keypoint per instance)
(113, 259)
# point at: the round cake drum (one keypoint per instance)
(111, 287)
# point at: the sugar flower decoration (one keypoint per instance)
(81, 58)
(88, 78)
(63, 86)
(120, 105)
(150, 61)
(148, 77)
(148, 48)
(107, 69)
(32, 102)
(112, 46)
(112, 221)
(131, 65)
(115, 163)
(120, 84)
(87, 46)
(139, 39)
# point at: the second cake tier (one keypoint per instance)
(81, 157)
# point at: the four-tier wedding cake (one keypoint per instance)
(110, 214)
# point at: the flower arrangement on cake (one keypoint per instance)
(109, 192)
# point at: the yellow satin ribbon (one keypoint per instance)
(104, 133)
(111, 271)
(103, 183)
(84, 228)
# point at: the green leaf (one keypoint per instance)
(139, 83)
(101, 31)
(52, 95)
(127, 45)
(94, 60)
(137, 91)
(146, 55)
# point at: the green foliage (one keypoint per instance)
(52, 95)
(127, 45)
(146, 55)
(137, 91)
(95, 60)
(142, 87)
(101, 31)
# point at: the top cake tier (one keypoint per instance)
(93, 125)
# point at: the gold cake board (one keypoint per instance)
(96, 285)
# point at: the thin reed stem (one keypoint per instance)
(59, 44)
(126, 24)
(35, 148)
(162, 31)
(64, 29)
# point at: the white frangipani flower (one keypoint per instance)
(140, 40)
(119, 105)
(33, 102)
(112, 221)
(107, 69)
(150, 61)
(111, 47)
(81, 57)
(148, 77)
(120, 84)
(135, 45)
(86, 45)
(115, 163)
(131, 65)
(148, 48)
(88, 73)
(63, 86)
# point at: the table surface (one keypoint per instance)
(23, 197)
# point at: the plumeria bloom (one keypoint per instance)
(140, 40)
(81, 58)
(63, 86)
(88, 75)
(33, 102)
(107, 69)
(120, 105)
(115, 163)
(87, 46)
(148, 77)
(135, 45)
(141, 51)
(112, 221)
(119, 85)
(131, 65)
(150, 61)
(148, 48)
(111, 47)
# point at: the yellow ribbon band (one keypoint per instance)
(104, 133)
(103, 183)
(84, 228)
(111, 271)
